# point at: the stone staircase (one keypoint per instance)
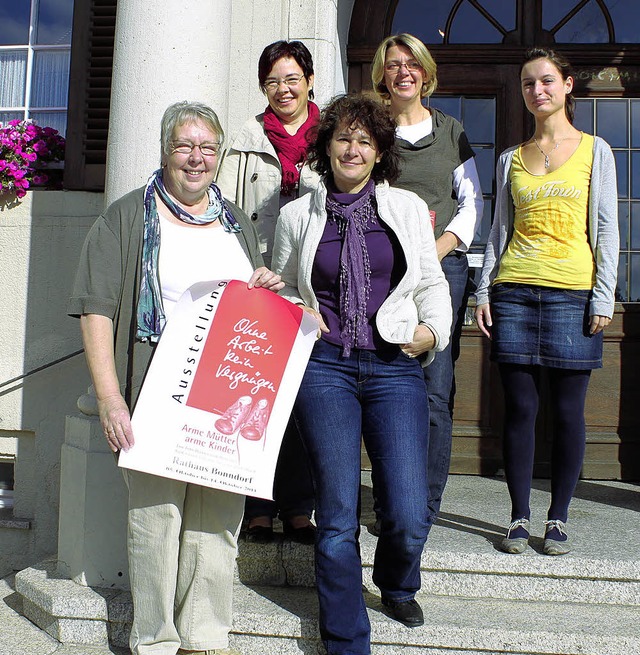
(476, 599)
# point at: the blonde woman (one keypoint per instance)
(437, 163)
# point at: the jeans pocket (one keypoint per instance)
(503, 289)
(577, 294)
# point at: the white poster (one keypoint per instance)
(218, 394)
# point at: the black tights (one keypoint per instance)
(568, 389)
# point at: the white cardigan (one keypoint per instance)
(421, 296)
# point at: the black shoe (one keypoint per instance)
(408, 612)
(259, 534)
(305, 535)
(377, 528)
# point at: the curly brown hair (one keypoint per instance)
(357, 110)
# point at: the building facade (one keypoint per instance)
(127, 60)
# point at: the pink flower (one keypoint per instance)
(41, 179)
(23, 145)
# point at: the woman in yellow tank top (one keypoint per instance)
(547, 288)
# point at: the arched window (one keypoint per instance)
(497, 21)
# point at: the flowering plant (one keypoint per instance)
(24, 148)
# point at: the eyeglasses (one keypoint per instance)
(394, 66)
(289, 81)
(186, 148)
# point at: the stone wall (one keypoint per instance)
(40, 242)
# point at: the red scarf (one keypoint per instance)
(290, 148)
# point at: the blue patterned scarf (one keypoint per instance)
(150, 312)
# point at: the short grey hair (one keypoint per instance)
(184, 112)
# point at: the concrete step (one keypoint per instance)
(284, 621)
(477, 600)
(490, 574)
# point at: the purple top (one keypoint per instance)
(386, 259)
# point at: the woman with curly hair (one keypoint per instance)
(360, 257)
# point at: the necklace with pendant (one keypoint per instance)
(546, 155)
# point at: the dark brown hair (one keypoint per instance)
(357, 111)
(288, 50)
(564, 68)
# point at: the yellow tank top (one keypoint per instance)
(550, 242)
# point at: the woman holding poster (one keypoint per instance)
(360, 256)
(139, 257)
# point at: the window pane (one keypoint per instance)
(50, 84)
(623, 227)
(449, 105)
(622, 294)
(470, 26)
(427, 20)
(479, 119)
(587, 26)
(622, 171)
(486, 164)
(612, 122)
(626, 18)
(54, 22)
(55, 119)
(635, 226)
(6, 116)
(635, 175)
(503, 12)
(14, 22)
(635, 123)
(13, 69)
(634, 283)
(584, 116)
(425, 23)
(482, 234)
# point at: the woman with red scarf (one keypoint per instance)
(262, 171)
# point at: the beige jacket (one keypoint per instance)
(249, 175)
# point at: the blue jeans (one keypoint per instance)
(384, 400)
(543, 326)
(441, 385)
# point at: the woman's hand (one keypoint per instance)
(97, 335)
(322, 326)
(483, 319)
(116, 422)
(263, 277)
(423, 340)
(598, 323)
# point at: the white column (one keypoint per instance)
(315, 22)
(164, 52)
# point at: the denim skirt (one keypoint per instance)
(543, 326)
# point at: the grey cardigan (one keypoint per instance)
(602, 224)
(421, 296)
(108, 281)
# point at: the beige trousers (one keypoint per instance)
(182, 545)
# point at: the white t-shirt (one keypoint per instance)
(413, 133)
(195, 254)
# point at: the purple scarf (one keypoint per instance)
(352, 213)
